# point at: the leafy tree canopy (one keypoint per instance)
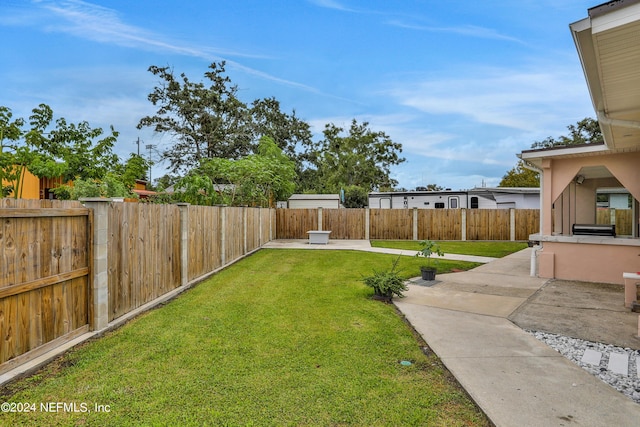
(206, 121)
(520, 176)
(256, 180)
(356, 197)
(75, 152)
(585, 131)
(12, 156)
(210, 121)
(361, 157)
(430, 187)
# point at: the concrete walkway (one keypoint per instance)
(363, 245)
(515, 379)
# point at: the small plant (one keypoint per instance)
(386, 284)
(428, 248)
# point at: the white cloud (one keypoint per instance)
(526, 100)
(331, 4)
(463, 30)
(103, 25)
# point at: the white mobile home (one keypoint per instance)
(477, 198)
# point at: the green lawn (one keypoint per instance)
(283, 337)
(496, 249)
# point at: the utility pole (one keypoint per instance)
(138, 142)
(150, 147)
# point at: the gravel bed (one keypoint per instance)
(573, 349)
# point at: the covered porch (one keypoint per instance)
(589, 207)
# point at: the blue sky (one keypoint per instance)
(462, 85)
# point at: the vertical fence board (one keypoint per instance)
(143, 255)
(205, 245)
(35, 245)
(344, 223)
(294, 223)
(488, 224)
(527, 223)
(439, 224)
(391, 224)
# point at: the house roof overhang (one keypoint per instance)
(608, 44)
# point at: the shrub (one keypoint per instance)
(388, 283)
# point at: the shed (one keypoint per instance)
(313, 201)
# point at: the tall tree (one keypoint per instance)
(287, 130)
(519, 176)
(12, 155)
(73, 151)
(258, 179)
(585, 131)
(134, 168)
(362, 157)
(206, 121)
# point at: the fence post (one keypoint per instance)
(366, 223)
(272, 219)
(512, 224)
(100, 261)
(319, 219)
(223, 235)
(415, 223)
(463, 225)
(244, 229)
(260, 243)
(184, 243)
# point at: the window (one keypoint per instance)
(439, 205)
(474, 202)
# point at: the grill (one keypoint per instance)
(594, 230)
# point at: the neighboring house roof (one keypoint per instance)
(144, 192)
(314, 197)
(508, 190)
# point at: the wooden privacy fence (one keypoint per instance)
(622, 218)
(143, 254)
(44, 277)
(410, 224)
(219, 234)
(67, 268)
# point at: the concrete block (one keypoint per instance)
(592, 357)
(619, 363)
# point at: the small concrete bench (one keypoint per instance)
(631, 281)
(318, 237)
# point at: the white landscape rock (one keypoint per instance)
(617, 366)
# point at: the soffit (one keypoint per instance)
(609, 49)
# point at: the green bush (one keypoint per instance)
(355, 197)
(110, 186)
(388, 283)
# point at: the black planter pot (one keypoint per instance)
(428, 273)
